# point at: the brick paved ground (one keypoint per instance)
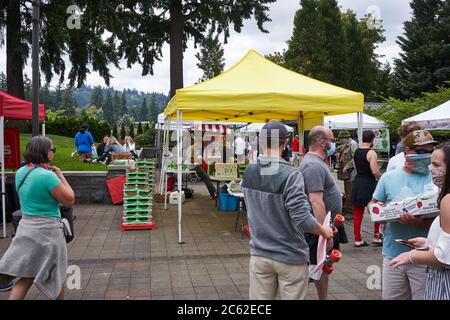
(212, 264)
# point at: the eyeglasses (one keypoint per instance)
(422, 151)
(53, 149)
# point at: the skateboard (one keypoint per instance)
(336, 222)
(335, 255)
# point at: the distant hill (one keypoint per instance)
(82, 96)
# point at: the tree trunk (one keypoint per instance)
(176, 46)
(14, 62)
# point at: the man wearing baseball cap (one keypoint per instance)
(278, 214)
(408, 281)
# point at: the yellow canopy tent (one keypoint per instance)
(258, 90)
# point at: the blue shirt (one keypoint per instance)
(389, 186)
(84, 142)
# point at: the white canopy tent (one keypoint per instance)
(350, 121)
(257, 127)
(435, 119)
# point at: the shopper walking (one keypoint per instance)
(367, 174)
(278, 214)
(38, 252)
(324, 196)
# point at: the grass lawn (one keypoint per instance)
(64, 147)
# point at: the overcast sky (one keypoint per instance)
(392, 12)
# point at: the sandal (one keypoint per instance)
(377, 241)
(363, 244)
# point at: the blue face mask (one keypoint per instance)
(331, 150)
(420, 163)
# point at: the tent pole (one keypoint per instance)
(360, 128)
(2, 151)
(180, 177)
(162, 175)
(43, 128)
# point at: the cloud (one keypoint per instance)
(393, 14)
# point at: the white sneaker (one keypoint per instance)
(73, 153)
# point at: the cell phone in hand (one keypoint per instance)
(405, 243)
(409, 245)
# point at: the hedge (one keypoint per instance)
(69, 126)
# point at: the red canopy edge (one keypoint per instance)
(17, 109)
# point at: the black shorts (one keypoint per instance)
(312, 240)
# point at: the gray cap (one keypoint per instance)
(270, 127)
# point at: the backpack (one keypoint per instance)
(345, 156)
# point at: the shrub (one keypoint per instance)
(69, 126)
(147, 139)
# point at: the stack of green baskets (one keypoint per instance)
(138, 193)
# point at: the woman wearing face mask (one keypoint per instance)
(435, 249)
(367, 174)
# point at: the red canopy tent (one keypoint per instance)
(17, 109)
(13, 108)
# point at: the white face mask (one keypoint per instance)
(438, 176)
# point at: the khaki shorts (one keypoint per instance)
(268, 276)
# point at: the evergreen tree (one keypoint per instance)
(58, 96)
(210, 58)
(46, 97)
(28, 88)
(123, 132)
(83, 48)
(115, 132)
(425, 62)
(67, 103)
(153, 108)
(97, 97)
(356, 66)
(117, 106)
(383, 84)
(108, 108)
(305, 53)
(131, 133)
(139, 129)
(277, 57)
(333, 47)
(176, 21)
(123, 103)
(143, 112)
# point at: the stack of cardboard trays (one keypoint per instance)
(424, 204)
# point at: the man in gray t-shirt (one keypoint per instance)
(319, 179)
(323, 194)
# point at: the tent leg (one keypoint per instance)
(180, 177)
(360, 128)
(2, 151)
(43, 129)
(162, 173)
